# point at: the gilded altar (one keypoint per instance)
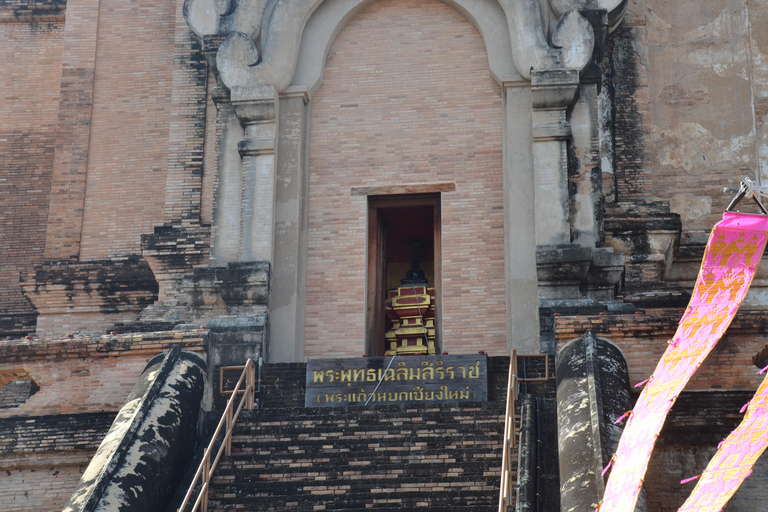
(410, 312)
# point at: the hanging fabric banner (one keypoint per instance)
(734, 459)
(733, 253)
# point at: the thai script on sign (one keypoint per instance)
(418, 394)
(430, 371)
(339, 382)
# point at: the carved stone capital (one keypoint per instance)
(257, 109)
(554, 89)
(257, 104)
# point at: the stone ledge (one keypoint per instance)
(93, 295)
(102, 346)
(32, 11)
(654, 323)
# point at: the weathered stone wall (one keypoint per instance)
(31, 54)
(110, 105)
(43, 457)
(407, 98)
(627, 83)
(90, 296)
(698, 421)
(700, 65)
(690, 96)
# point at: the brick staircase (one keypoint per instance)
(397, 457)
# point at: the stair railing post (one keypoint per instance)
(228, 434)
(250, 386)
(206, 481)
(509, 441)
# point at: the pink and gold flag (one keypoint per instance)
(733, 253)
(734, 460)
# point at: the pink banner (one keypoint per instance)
(733, 253)
(735, 458)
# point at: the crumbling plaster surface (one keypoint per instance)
(705, 72)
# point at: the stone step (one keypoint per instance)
(358, 474)
(380, 505)
(286, 457)
(337, 499)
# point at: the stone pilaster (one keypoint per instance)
(65, 212)
(552, 93)
(257, 109)
(519, 220)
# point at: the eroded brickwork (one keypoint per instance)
(688, 83)
(93, 296)
(43, 458)
(629, 84)
(21, 490)
(407, 98)
(86, 374)
(701, 85)
(31, 52)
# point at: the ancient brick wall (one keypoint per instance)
(31, 54)
(130, 120)
(673, 462)
(699, 68)
(106, 113)
(628, 84)
(698, 421)
(84, 374)
(47, 440)
(21, 490)
(407, 98)
(643, 339)
(43, 458)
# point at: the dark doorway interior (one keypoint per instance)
(402, 231)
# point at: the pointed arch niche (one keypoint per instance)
(392, 96)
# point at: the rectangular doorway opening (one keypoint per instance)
(404, 275)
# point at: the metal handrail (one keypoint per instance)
(228, 419)
(510, 426)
